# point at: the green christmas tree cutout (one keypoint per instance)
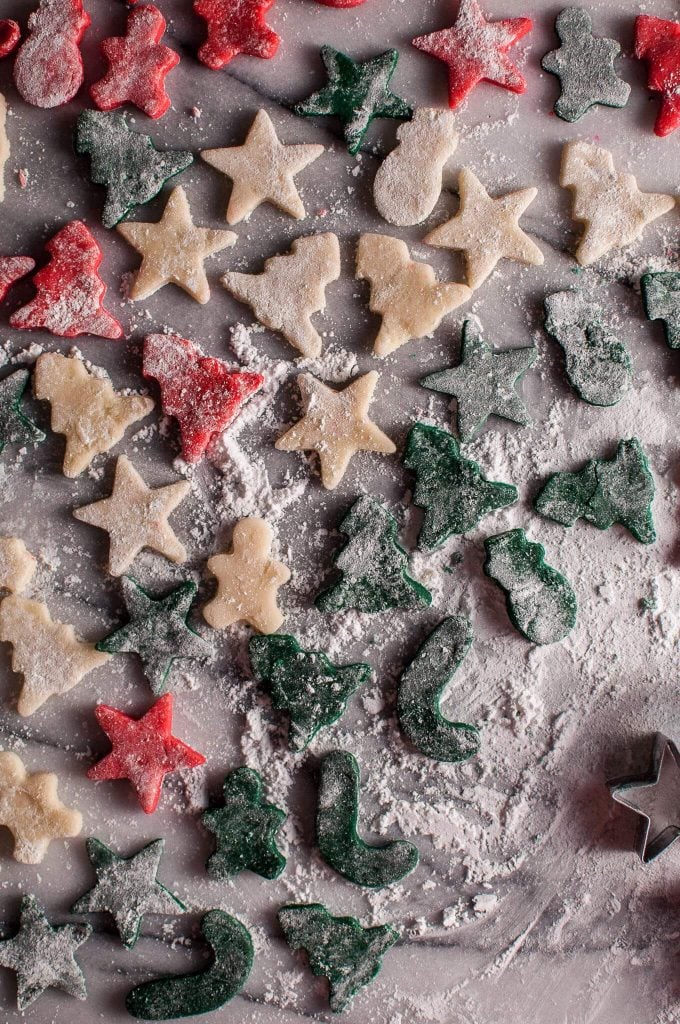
(357, 92)
(245, 829)
(604, 492)
(338, 948)
(661, 299)
(540, 601)
(311, 689)
(451, 490)
(373, 565)
(126, 162)
(15, 428)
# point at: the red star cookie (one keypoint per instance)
(235, 26)
(10, 34)
(143, 750)
(203, 394)
(658, 42)
(48, 70)
(11, 269)
(475, 50)
(70, 293)
(138, 64)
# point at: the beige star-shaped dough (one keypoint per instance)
(31, 809)
(248, 579)
(486, 229)
(92, 416)
(336, 425)
(173, 250)
(17, 564)
(408, 296)
(612, 207)
(262, 170)
(136, 517)
(47, 653)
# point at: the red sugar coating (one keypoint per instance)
(10, 34)
(138, 64)
(658, 42)
(69, 290)
(48, 70)
(202, 393)
(235, 26)
(11, 269)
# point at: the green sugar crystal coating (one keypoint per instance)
(310, 688)
(186, 995)
(420, 690)
(127, 163)
(338, 948)
(245, 829)
(452, 490)
(340, 845)
(15, 428)
(597, 364)
(373, 565)
(356, 93)
(540, 601)
(604, 492)
(661, 299)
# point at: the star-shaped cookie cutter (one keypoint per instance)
(657, 800)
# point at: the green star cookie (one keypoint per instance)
(15, 428)
(484, 383)
(127, 888)
(305, 684)
(157, 631)
(357, 92)
(245, 829)
(452, 490)
(661, 299)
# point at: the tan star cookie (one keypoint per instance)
(336, 425)
(4, 144)
(31, 809)
(92, 416)
(291, 288)
(613, 209)
(411, 301)
(17, 564)
(248, 580)
(135, 517)
(173, 250)
(262, 170)
(47, 653)
(486, 229)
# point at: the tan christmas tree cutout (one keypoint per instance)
(32, 811)
(17, 565)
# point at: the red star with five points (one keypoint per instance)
(658, 42)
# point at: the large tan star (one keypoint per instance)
(136, 517)
(31, 809)
(17, 564)
(173, 250)
(262, 170)
(336, 425)
(248, 580)
(486, 229)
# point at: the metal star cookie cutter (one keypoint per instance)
(655, 797)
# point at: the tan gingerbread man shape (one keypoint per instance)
(32, 811)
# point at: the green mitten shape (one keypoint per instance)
(245, 829)
(661, 299)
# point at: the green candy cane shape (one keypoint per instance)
(186, 995)
(336, 829)
(420, 690)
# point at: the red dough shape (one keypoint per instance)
(235, 26)
(11, 269)
(475, 50)
(138, 64)
(658, 42)
(48, 70)
(143, 750)
(70, 292)
(10, 34)
(203, 394)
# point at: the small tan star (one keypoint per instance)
(136, 517)
(336, 425)
(248, 580)
(17, 565)
(262, 170)
(486, 229)
(173, 250)
(31, 809)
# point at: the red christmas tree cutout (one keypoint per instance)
(475, 50)
(11, 269)
(48, 70)
(70, 292)
(138, 64)
(235, 26)
(10, 34)
(203, 394)
(658, 42)
(143, 750)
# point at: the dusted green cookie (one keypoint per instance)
(15, 428)
(661, 299)
(245, 829)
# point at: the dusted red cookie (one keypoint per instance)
(235, 26)
(11, 269)
(138, 64)
(70, 293)
(48, 70)
(10, 34)
(658, 42)
(203, 394)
